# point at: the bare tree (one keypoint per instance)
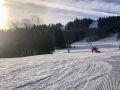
(36, 20)
(26, 23)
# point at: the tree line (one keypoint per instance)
(36, 39)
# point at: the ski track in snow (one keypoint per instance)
(78, 70)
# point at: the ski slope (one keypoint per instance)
(78, 70)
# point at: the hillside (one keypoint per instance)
(78, 70)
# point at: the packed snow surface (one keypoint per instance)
(78, 70)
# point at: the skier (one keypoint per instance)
(95, 49)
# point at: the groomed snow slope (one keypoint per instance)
(78, 70)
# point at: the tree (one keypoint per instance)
(59, 39)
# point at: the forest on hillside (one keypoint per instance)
(36, 39)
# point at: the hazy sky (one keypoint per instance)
(53, 11)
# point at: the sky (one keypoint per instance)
(54, 11)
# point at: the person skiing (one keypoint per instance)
(94, 49)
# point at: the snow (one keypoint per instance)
(94, 25)
(78, 70)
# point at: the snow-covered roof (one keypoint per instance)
(94, 25)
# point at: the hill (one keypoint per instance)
(78, 70)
